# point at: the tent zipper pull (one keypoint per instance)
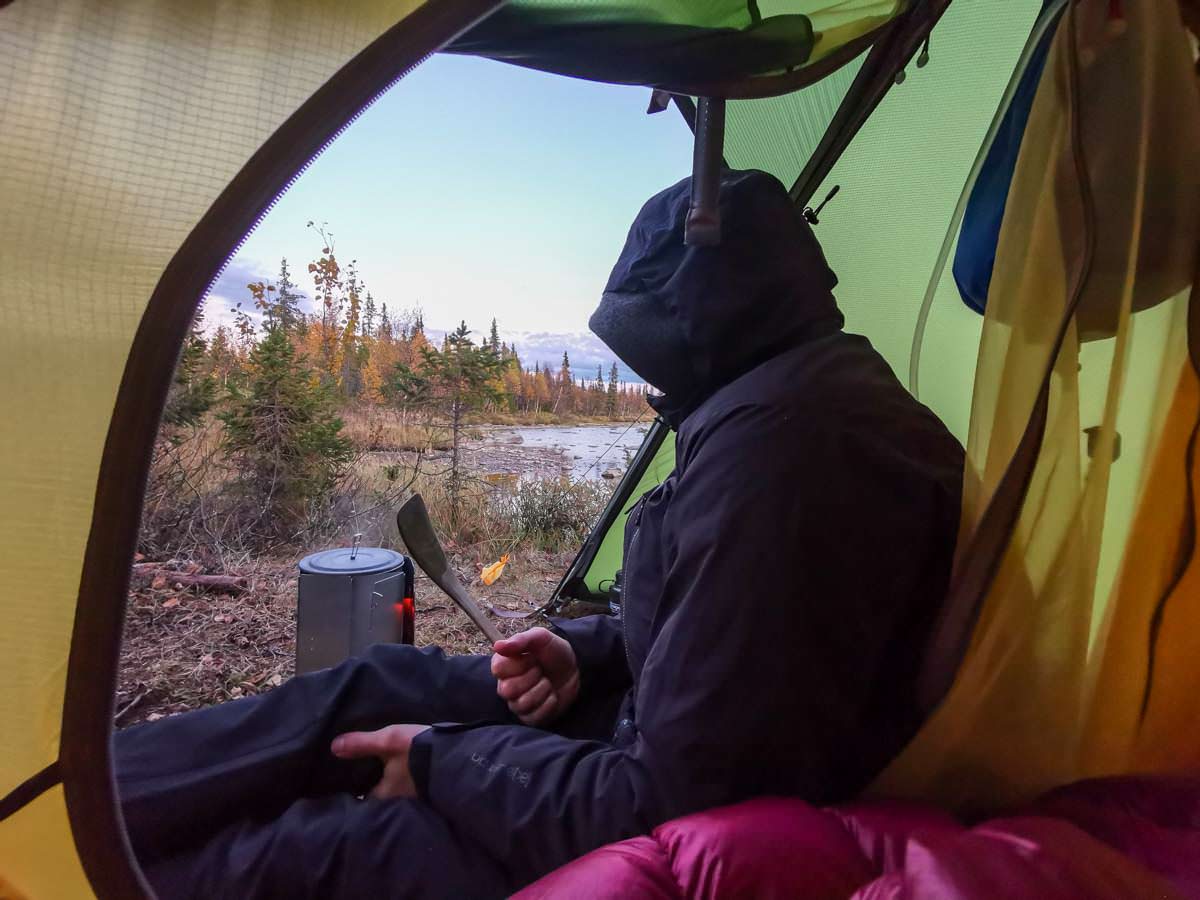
(923, 59)
(811, 215)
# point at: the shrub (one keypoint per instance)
(553, 514)
(283, 438)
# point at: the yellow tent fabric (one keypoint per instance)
(1014, 720)
(121, 125)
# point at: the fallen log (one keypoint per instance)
(155, 576)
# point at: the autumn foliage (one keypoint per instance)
(254, 452)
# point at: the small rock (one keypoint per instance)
(610, 474)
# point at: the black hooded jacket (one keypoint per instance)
(779, 585)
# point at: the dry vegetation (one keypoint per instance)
(187, 647)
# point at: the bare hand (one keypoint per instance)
(536, 673)
(391, 745)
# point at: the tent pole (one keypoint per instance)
(703, 225)
(870, 86)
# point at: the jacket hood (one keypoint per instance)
(691, 319)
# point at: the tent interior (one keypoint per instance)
(140, 143)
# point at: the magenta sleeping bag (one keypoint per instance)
(1109, 839)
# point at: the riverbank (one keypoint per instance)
(503, 454)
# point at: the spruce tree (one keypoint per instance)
(449, 385)
(566, 386)
(385, 324)
(612, 398)
(368, 317)
(284, 438)
(193, 390)
(286, 312)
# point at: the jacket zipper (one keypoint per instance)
(637, 530)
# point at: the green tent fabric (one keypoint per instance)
(709, 47)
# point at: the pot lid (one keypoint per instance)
(351, 561)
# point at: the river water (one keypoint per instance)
(540, 451)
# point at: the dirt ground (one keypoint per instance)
(185, 648)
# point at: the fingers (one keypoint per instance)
(545, 711)
(531, 699)
(512, 688)
(510, 667)
(357, 744)
(526, 642)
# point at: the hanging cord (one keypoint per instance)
(1047, 17)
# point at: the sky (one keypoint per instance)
(475, 189)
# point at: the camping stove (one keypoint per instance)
(349, 599)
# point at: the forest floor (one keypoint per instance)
(187, 648)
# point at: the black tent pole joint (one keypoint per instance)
(703, 225)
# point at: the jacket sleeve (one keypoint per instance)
(599, 649)
(747, 687)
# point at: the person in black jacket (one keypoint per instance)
(779, 588)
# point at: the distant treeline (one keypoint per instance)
(365, 353)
